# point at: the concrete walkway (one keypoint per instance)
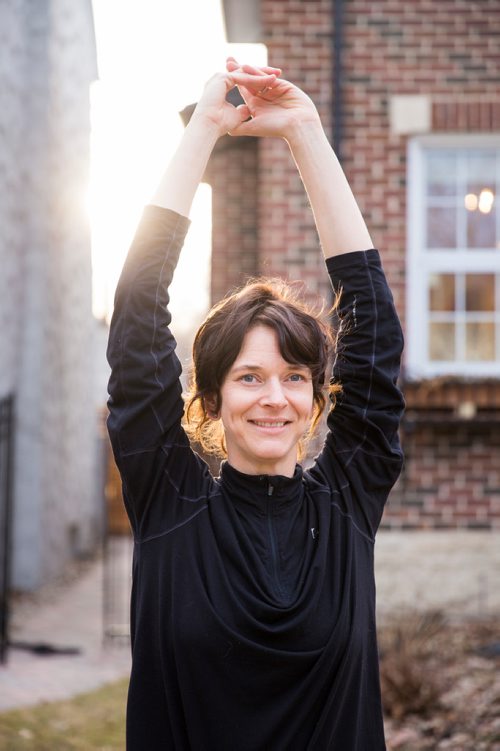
(457, 572)
(66, 615)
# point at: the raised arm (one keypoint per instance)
(212, 118)
(329, 192)
(285, 111)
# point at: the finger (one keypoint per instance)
(259, 92)
(253, 70)
(253, 82)
(232, 64)
(258, 71)
(269, 69)
(243, 111)
(253, 98)
(243, 129)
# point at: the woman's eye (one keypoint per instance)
(248, 378)
(296, 377)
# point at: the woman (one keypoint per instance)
(253, 603)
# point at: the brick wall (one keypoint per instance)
(447, 50)
(232, 174)
(451, 476)
(298, 40)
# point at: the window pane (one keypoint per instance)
(481, 228)
(441, 223)
(442, 292)
(441, 174)
(441, 341)
(480, 341)
(479, 292)
(480, 171)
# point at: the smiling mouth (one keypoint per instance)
(270, 423)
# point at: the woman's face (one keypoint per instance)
(266, 406)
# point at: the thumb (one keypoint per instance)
(243, 112)
(246, 127)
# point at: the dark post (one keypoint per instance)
(6, 453)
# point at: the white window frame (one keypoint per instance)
(420, 263)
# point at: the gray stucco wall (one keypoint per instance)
(47, 61)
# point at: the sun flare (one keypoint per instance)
(153, 61)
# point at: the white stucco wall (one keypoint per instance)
(47, 62)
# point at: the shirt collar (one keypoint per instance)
(257, 489)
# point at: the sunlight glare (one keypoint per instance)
(153, 59)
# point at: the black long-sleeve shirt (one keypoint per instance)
(253, 601)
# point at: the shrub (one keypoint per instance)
(408, 647)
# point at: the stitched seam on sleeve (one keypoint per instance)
(348, 516)
(122, 347)
(335, 505)
(177, 526)
(152, 449)
(157, 303)
(372, 359)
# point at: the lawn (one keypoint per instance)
(89, 722)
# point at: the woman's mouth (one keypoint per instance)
(269, 423)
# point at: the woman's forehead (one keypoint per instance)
(259, 348)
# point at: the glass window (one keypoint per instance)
(481, 229)
(441, 341)
(480, 292)
(441, 174)
(442, 292)
(441, 227)
(454, 256)
(480, 341)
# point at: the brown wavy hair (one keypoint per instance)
(304, 338)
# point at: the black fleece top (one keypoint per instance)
(253, 601)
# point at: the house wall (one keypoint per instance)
(47, 64)
(299, 40)
(446, 52)
(232, 173)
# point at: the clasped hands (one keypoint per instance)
(273, 106)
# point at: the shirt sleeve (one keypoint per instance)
(145, 396)
(362, 451)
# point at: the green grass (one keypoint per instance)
(89, 722)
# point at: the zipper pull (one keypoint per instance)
(270, 489)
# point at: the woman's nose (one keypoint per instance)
(274, 394)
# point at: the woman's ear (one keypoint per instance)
(211, 406)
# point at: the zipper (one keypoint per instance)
(272, 542)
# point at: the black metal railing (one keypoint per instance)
(6, 511)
